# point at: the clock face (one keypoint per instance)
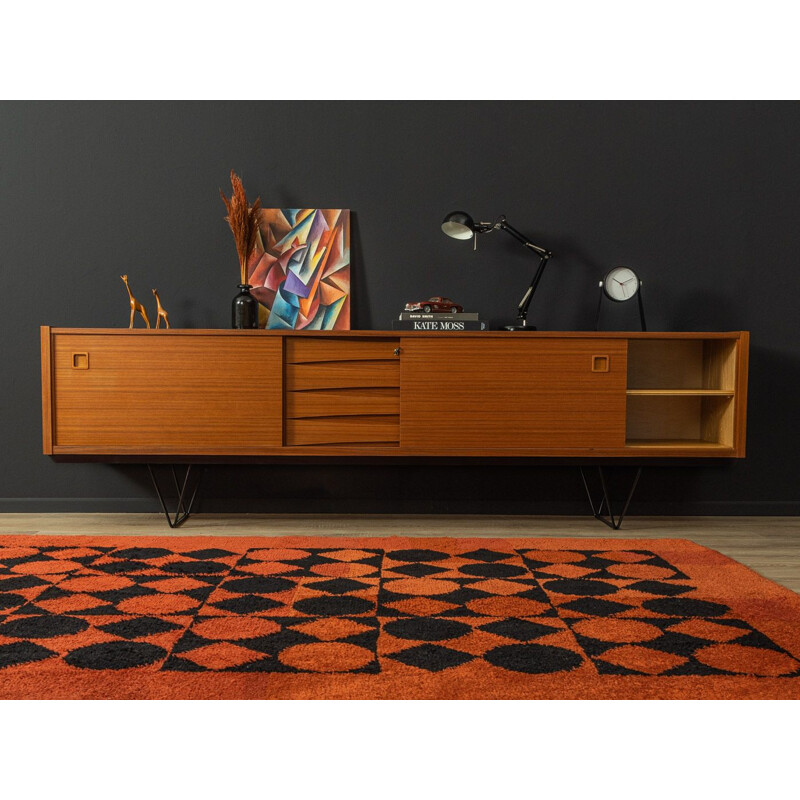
(620, 284)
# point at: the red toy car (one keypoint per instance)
(435, 304)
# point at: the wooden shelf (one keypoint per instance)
(676, 444)
(681, 392)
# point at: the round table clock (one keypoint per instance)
(619, 285)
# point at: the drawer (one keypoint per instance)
(342, 391)
(375, 430)
(301, 350)
(342, 402)
(342, 375)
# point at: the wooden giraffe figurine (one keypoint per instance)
(161, 314)
(135, 304)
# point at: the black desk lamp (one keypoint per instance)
(460, 225)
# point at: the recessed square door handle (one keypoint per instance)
(600, 363)
(80, 361)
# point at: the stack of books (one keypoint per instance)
(419, 321)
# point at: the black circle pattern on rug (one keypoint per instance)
(137, 553)
(521, 630)
(685, 607)
(10, 600)
(247, 604)
(196, 567)
(534, 659)
(427, 629)
(334, 606)
(417, 555)
(115, 655)
(580, 587)
(432, 657)
(139, 627)
(258, 585)
(46, 626)
(11, 655)
(493, 570)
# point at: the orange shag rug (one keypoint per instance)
(318, 617)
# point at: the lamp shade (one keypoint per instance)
(459, 225)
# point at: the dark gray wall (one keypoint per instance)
(702, 199)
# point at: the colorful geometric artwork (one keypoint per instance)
(300, 268)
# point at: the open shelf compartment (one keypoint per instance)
(682, 364)
(681, 393)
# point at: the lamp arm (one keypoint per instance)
(503, 224)
(522, 310)
(544, 256)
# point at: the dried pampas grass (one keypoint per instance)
(243, 221)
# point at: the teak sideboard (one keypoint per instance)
(121, 394)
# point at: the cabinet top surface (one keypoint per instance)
(404, 334)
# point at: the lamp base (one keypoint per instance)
(519, 327)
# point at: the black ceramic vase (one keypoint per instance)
(244, 309)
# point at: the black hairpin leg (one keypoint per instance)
(183, 509)
(605, 501)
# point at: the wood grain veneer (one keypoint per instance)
(343, 402)
(665, 364)
(47, 397)
(342, 375)
(498, 395)
(717, 420)
(719, 364)
(740, 403)
(301, 350)
(167, 394)
(680, 392)
(367, 429)
(670, 418)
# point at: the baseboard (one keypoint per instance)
(350, 505)
(77, 505)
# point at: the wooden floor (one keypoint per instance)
(769, 545)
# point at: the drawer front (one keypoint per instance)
(342, 402)
(164, 394)
(301, 350)
(342, 375)
(359, 430)
(342, 391)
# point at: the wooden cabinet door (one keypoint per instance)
(166, 393)
(521, 393)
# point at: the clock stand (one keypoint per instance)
(638, 299)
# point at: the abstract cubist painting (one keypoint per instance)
(300, 268)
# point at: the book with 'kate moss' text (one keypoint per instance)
(439, 325)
